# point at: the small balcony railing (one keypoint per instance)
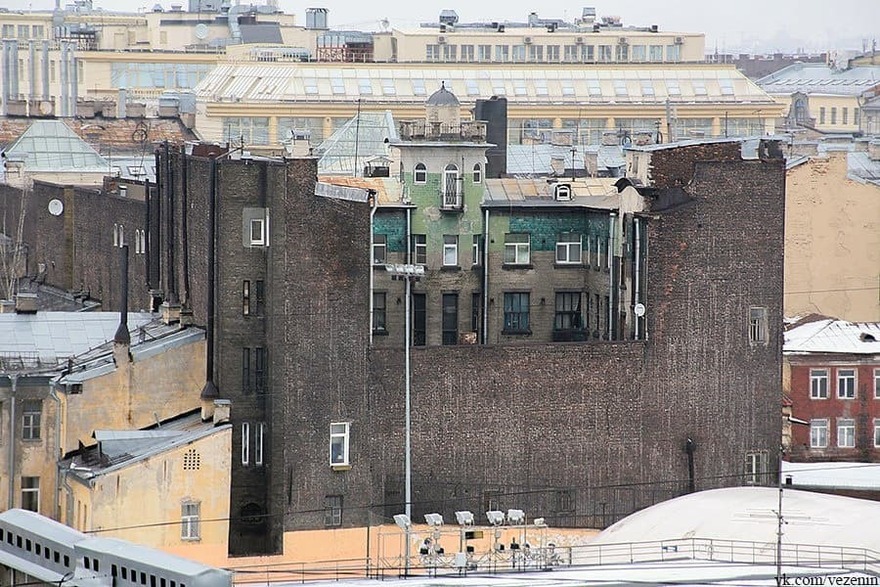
(451, 199)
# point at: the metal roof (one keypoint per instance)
(50, 145)
(861, 167)
(42, 526)
(149, 556)
(817, 78)
(250, 82)
(834, 336)
(526, 192)
(50, 338)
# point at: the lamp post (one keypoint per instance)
(779, 518)
(408, 273)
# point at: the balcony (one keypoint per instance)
(451, 199)
(421, 130)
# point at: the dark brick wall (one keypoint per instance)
(74, 251)
(674, 167)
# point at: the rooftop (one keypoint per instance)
(833, 475)
(829, 335)
(50, 145)
(818, 78)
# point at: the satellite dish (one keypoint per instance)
(45, 108)
(56, 207)
(639, 309)
(201, 31)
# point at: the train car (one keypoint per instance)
(36, 549)
(110, 562)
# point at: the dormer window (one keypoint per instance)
(420, 173)
(478, 173)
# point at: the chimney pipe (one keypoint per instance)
(122, 335)
(210, 391)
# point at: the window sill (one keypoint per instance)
(380, 333)
(516, 332)
(558, 265)
(514, 266)
(189, 539)
(450, 268)
(340, 467)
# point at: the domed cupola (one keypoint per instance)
(443, 107)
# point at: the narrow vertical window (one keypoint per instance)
(450, 250)
(450, 318)
(190, 513)
(246, 297)
(245, 369)
(758, 326)
(380, 249)
(260, 294)
(32, 411)
(819, 383)
(259, 434)
(379, 325)
(339, 443)
(245, 443)
(260, 358)
(30, 493)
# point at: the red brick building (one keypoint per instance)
(835, 386)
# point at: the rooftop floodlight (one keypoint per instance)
(434, 519)
(402, 520)
(515, 516)
(540, 522)
(464, 518)
(495, 517)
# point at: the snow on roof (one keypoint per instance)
(833, 336)
(749, 514)
(827, 474)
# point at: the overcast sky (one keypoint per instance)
(732, 25)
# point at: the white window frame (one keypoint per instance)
(819, 383)
(31, 420)
(190, 516)
(380, 245)
(819, 433)
(339, 436)
(849, 393)
(758, 325)
(30, 490)
(420, 249)
(450, 250)
(475, 249)
(517, 252)
(245, 443)
(846, 433)
(259, 435)
(876, 383)
(876, 432)
(756, 466)
(420, 174)
(478, 173)
(260, 240)
(569, 249)
(115, 235)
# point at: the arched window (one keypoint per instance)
(451, 187)
(478, 173)
(420, 174)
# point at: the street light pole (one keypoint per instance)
(408, 273)
(780, 520)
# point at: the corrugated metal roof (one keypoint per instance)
(817, 78)
(389, 191)
(392, 83)
(834, 336)
(861, 166)
(585, 192)
(53, 337)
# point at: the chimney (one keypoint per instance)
(210, 391)
(220, 411)
(122, 335)
(26, 303)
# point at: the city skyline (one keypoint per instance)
(782, 26)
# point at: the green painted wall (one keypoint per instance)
(391, 223)
(546, 226)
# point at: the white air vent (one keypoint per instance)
(441, 40)
(579, 40)
(527, 40)
(622, 41)
(679, 40)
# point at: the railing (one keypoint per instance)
(451, 198)
(472, 130)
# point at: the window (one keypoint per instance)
(380, 249)
(476, 303)
(420, 173)
(379, 325)
(516, 249)
(502, 53)
(518, 53)
(821, 115)
(189, 520)
(484, 53)
(432, 52)
(420, 249)
(846, 383)
(475, 249)
(467, 53)
(833, 115)
(333, 511)
(846, 433)
(420, 319)
(261, 297)
(30, 493)
(818, 433)
(30, 415)
(339, 443)
(450, 318)
(450, 250)
(516, 313)
(451, 187)
(639, 53)
(622, 52)
(568, 311)
(260, 365)
(246, 297)
(23, 31)
(818, 383)
(568, 248)
(876, 383)
(259, 434)
(258, 232)
(553, 53)
(605, 53)
(756, 466)
(478, 173)
(655, 53)
(877, 433)
(757, 326)
(245, 443)
(673, 53)
(845, 114)
(245, 369)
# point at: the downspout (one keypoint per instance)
(54, 395)
(169, 228)
(13, 381)
(485, 336)
(184, 165)
(637, 266)
(210, 391)
(612, 297)
(375, 204)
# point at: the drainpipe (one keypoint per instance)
(53, 393)
(485, 337)
(637, 266)
(13, 381)
(32, 73)
(612, 297)
(210, 391)
(375, 204)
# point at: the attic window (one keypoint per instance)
(866, 337)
